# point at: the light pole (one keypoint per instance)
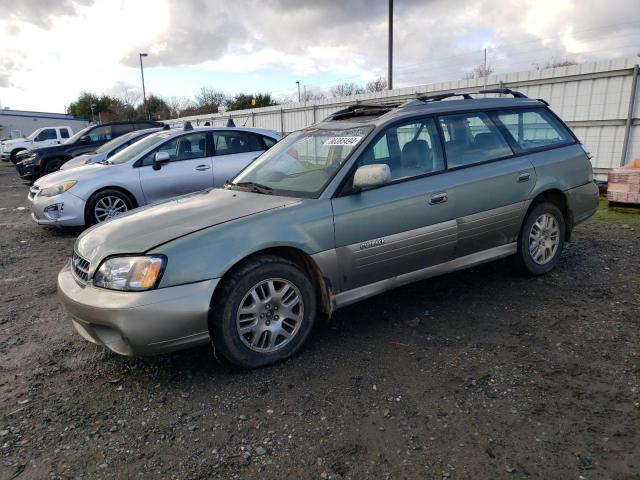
(144, 93)
(390, 71)
(298, 82)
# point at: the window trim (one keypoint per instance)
(514, 143)
(343, 191)
(208, 154)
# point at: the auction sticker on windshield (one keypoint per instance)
(348, 141)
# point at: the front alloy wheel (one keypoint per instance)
(262, 312)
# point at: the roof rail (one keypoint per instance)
(467, 95)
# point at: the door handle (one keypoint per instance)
(202, 168)
(438, 198)
(524, 177)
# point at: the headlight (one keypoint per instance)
(130, 273)
(58, 189)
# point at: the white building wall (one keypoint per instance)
(593, 98)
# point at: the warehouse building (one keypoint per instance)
(20, 123)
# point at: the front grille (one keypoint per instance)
(80, 268)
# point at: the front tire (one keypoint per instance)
(52, 165)
(105, 205)
(263, 313)
(541, 240)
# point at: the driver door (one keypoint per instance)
(403, 226)
(189, 168)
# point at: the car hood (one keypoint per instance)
(79, 173)
(145, 228)
(78, 161)
(16, 140)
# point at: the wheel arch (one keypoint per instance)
(302, 260)
(559, 199)
(122, 190)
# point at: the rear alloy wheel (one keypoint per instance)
(52, 165)
(106, 205)
(263, 312)
(541, 240)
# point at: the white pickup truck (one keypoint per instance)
(43, 137)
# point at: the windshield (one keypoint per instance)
(33, 135)
(303, 163)
(77, 136)
(137, 148)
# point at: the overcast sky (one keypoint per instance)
(50, 50)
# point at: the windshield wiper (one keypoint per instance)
(253, 186)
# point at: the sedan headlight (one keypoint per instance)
(57, 189)
(130, 273)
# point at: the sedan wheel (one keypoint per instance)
(544, 239)
(108, 207)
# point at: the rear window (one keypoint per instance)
(64, 133)
(472, 138)
(533, 129)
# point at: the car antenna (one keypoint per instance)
(188, 126)
(230, 122)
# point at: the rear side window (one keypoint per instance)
(228, 143)
(532, 129)
(117, 130)
(472, 138)
(64, 133)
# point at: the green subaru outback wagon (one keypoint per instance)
(373, 197)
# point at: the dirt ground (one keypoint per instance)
(478, 374)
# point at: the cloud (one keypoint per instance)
(39, 13)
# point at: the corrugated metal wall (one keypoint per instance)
(593, 98)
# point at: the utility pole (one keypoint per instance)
(298, 82)
(144, 93)
(390, 69)
(484, 71)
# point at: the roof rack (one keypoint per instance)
(467, 95)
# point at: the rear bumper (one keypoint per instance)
(583, 202)
(138, 323)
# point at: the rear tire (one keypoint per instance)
(541, 240)
(106, 204)
(263, 312)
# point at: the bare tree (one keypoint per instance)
(179, 105)
(346, 89)
(209, 100)
(310, 94)
(377, 85)
(478, 72)
(555, 62)
(127, 93)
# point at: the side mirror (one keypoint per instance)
(160, 159)
(84, 139)
(371, 176)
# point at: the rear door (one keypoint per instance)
(404, 226)
(233, 150)
(489, 184)
(189, 170)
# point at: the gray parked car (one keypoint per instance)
(109, 149)
(161, 165)
(372, 198)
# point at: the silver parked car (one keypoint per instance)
(161, 165)
(109, 149)
(374, 197)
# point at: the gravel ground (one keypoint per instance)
(477, 374)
